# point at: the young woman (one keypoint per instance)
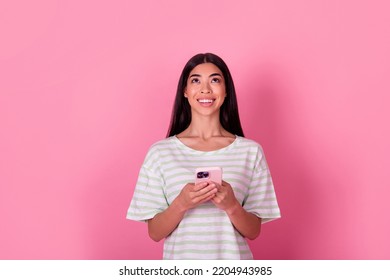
(206, 220)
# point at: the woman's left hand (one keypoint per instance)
(247, 224)
(225, 199)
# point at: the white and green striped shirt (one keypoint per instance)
(205, 232)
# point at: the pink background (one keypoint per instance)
(87, 86)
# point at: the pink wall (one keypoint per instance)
(87, 86)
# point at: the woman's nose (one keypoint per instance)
(205, 89)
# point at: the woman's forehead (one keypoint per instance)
(206, 69)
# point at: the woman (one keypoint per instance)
(207, 220)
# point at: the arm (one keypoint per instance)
(246, 223)
(162, 224)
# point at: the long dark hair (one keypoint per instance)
(181, 113)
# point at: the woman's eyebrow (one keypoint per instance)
(211, 75)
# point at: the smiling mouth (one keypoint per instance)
(206, 101)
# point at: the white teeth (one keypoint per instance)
(205, 100)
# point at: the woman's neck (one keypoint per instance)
(205, 128)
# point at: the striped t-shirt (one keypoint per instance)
(205, 232)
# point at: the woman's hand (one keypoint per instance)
(192, 195)
(246, 223)
(225, 198)
(161, 225)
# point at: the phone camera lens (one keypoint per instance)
(202, 174)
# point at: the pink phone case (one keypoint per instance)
(213, 174)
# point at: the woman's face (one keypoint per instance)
(205, 89)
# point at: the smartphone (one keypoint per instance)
(213, 174)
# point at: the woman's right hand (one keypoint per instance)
(161, 225)
(194, 194)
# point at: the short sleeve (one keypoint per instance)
(149, 198)
(261, 199)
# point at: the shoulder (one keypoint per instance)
(157, 151)
(164, 142)
(254, 148)
(248, 143)
(163, 145)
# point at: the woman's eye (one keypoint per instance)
(195, 80)
(216, 80)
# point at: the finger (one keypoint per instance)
(207, 198)
(217, 184)
(200, 186)
(205, 195)
(221, 196)
(216, 200)
(206, 189)
(225, 184)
